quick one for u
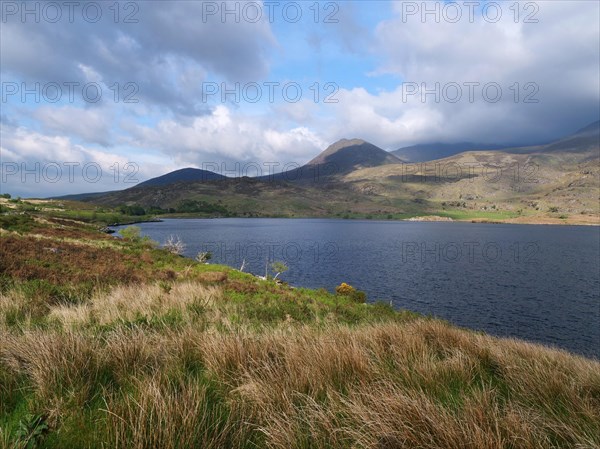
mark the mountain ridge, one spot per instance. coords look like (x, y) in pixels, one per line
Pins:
(432, 151)
(182, 175)
(552, 183)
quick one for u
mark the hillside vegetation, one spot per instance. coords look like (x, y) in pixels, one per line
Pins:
(118, 343)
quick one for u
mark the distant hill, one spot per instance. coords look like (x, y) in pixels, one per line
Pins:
(592, 128)
(582, 144)
(182, 175)
(83, 196)
(560, 178)
(431, 151)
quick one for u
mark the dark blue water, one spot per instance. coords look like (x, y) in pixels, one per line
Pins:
(539, 283)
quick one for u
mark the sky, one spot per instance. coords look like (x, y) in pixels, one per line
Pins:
(99, 95)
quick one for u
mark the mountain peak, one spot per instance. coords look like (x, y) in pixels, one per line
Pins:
(353, 154)
(182, 175)
(342, 143)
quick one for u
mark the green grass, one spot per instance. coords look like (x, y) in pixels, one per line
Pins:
(17, 223)
(101, 218)
(473, 214)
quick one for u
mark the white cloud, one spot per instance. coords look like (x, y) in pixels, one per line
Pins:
(91, 125)
(225, 135)
(50, 165)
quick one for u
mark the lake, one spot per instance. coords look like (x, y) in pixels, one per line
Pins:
(538, 283)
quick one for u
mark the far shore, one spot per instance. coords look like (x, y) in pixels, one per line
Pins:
(575, 220)
(540, 219)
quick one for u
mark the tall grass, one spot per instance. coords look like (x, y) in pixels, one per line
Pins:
(200, 383)
(162, 412)
(129, 303)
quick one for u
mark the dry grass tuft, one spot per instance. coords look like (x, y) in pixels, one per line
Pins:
(213, 277)
(134, 302)
(169, 414)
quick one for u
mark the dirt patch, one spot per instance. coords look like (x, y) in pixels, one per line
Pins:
(214, 277)
(430, 218)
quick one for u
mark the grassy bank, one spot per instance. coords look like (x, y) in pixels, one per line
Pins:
(118, 343)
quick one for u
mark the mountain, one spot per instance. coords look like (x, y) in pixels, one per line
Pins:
(581, 145)
(82, 196)
(585, 140)
(592, 128)
(556, 183)
(348, 155)
(431, 151)
(338, 159)
(182, 175)
(558, 179)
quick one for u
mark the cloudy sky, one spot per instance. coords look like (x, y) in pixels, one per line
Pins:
(98, 95)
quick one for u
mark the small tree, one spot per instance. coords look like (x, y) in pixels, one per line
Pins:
(175, 245)
(131, 233)
(278, 268)
(203, 256)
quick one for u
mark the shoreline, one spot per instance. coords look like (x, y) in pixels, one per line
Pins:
(571, 220)
(541, 221)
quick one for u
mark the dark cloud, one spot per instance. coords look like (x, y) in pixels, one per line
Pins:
(168, 53)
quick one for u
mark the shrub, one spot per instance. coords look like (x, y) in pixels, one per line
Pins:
(344, 289)
(131, 233)
(359, 296)
(350, 292)
(175, 245)
(203, 256)
(278, 268)
(147, 242)
(18, 223)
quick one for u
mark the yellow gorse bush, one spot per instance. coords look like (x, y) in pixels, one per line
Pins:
(345, 289)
